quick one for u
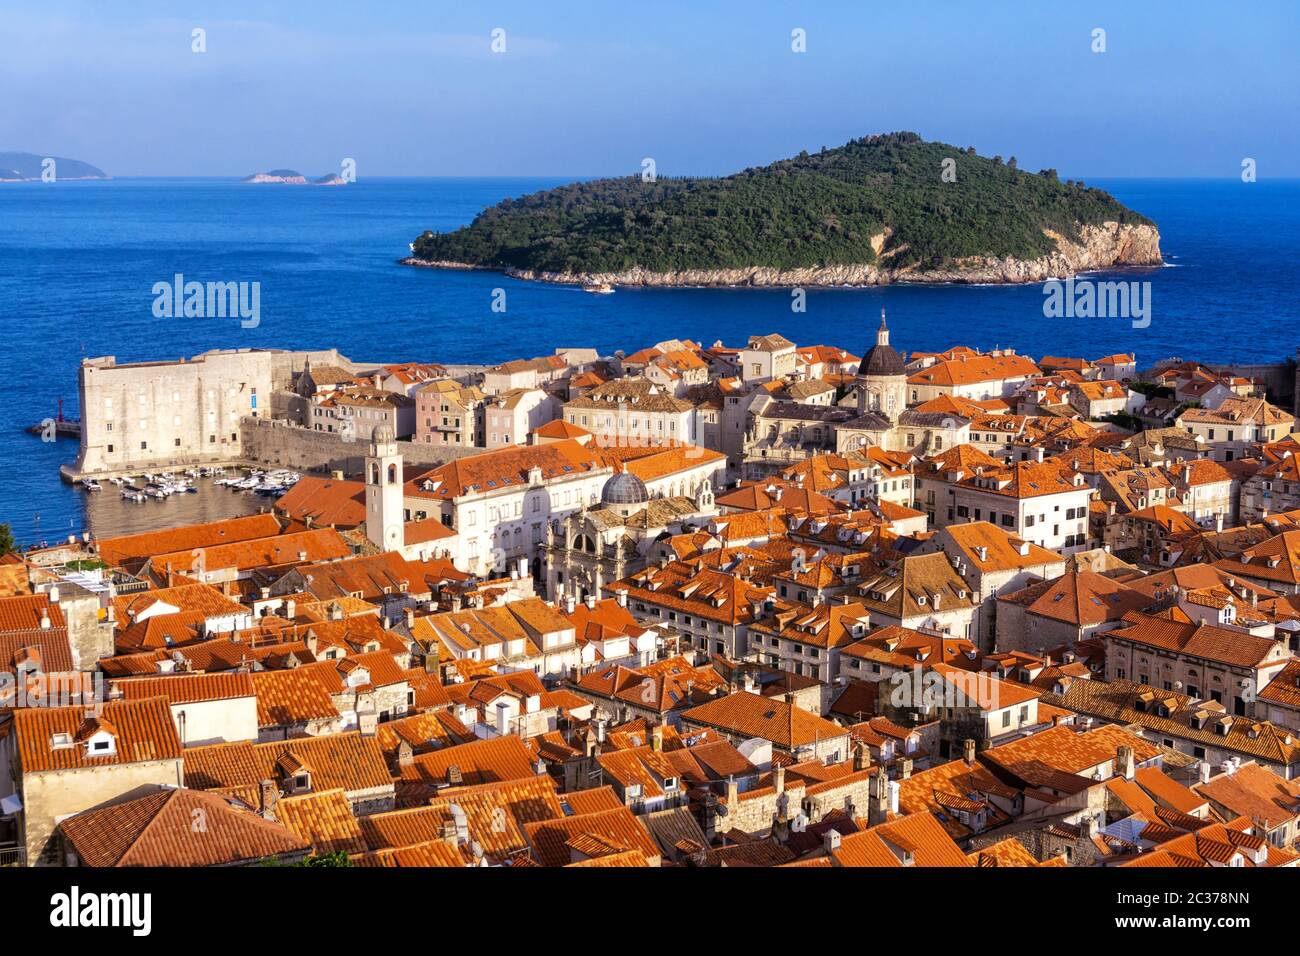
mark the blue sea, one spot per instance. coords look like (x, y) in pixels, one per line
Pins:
(78, 261)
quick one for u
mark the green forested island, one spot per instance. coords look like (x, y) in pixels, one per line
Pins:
(876, 209)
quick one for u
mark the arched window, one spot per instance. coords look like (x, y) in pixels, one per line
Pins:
(374, 474)
(392, 474)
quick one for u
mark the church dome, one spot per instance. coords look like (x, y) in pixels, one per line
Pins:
(882, 358)
(383, 435)
(624, 488)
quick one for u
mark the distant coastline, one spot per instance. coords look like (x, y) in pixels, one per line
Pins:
(31, 168)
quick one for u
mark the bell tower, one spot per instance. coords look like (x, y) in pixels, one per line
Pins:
(384, 524)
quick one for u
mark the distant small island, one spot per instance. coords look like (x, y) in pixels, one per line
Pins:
(877, 210)
(28, 167)
(294, 178)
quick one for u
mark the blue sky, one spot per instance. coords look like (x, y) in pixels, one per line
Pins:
(1184, 88)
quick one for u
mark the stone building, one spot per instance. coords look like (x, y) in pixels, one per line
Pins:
(140, 416)
(592, 547)
(881, 383)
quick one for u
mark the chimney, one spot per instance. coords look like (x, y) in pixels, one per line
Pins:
(968, 750)
(1124, 762)
(290, 609)
(268, 796)
(45, 619)
(710, 816)
(569, 604)
(861, 757)
(460, 821)
(778, 779)
(831, 841)
(878, 797)
(302, 556)
(405, 756)
(454, 778)
(591, 602)
(54, 594)
(657, 738)
(410, 617)
(1203, 769)
(621, 596)
(905, 768)
(733, 794)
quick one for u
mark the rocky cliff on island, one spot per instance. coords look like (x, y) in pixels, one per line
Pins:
(879, 210)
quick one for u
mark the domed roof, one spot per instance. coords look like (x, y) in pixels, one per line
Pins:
(624, 488)
(882, 358)
(383, 435)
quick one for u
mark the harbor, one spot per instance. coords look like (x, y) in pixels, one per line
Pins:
(123, 504)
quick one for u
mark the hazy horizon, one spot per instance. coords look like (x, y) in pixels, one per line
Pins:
(586, 89)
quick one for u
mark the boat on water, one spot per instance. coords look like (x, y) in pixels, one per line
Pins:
(135, 496)
(90, 484)
(598, 288)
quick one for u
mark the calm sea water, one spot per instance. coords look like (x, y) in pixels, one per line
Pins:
(78, 261)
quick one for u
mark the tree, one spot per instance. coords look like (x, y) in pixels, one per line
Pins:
(7, 543)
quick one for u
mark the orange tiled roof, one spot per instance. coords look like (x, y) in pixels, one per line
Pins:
(324, 820)
(158, 829)
(917, 837)
(126, 549)
(482, 761)
(143, 731)
(349, 762)
(322, 544)
(605, 832)
(292, 696)
(785, 725)
(188, 688)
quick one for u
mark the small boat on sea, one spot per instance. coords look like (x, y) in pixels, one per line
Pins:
(133, 496)
(598, 288)
(90, 484)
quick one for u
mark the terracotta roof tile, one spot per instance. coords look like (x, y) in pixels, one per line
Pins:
(161, 829)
